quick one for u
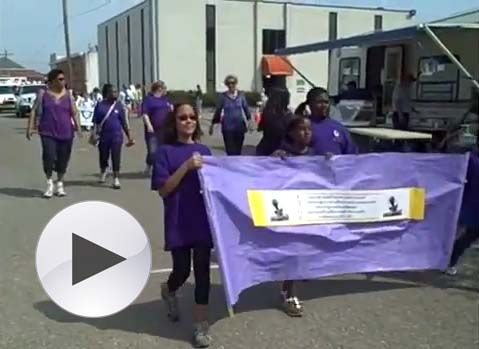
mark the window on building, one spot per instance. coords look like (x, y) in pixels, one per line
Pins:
(211, 48)
(333, 26)
(107, 44)
(273, 40)
(117, 56)
(128, 43)
(378, 22)
(349, 71)
(142, 29)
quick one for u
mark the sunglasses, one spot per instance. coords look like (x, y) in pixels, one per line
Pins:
(185, 117)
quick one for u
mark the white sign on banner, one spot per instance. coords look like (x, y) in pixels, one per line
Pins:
(300, 207)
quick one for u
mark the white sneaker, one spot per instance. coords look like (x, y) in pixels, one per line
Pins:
(451, 271)
(116, 183)
(60, 190)
(49, 192)
(103, 177)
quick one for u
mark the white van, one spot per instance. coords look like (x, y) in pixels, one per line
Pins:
(26, 97)
(8, 99)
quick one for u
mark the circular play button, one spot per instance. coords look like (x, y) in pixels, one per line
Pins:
(93, 259)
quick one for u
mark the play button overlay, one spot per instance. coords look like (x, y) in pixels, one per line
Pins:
(93, 259)
(90, 259)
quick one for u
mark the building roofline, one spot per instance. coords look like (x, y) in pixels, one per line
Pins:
(277, 2)
(122, 13)
(457, 14)
(350, 7)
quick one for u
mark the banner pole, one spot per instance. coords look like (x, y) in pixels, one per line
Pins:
(231, 311)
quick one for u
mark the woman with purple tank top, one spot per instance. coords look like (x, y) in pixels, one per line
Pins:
(57, 123)
(154, 109)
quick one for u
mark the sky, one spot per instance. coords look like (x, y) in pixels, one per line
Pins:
(32, 29)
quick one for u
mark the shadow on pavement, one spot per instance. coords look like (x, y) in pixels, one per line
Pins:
(134, 175)
(464, 280)
(21, 192)
(85, 183)
(150, 317)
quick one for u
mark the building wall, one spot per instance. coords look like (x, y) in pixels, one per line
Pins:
(91, 71)
(102, 58)
(108, 71)
(235, 43)
(181, 41)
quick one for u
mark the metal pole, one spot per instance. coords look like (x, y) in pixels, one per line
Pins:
(255, 43)
(449, 54)
(67, 42)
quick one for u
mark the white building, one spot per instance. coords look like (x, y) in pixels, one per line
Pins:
(190, 42)
(85, 69)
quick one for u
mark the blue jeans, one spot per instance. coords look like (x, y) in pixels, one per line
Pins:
(56, 155)
(152, 144)
(233, 141)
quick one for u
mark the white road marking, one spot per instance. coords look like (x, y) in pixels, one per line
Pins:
(168, 270)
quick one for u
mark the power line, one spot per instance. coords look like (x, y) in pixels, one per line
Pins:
(108, 2)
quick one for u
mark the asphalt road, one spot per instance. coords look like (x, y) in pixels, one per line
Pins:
(394, 310)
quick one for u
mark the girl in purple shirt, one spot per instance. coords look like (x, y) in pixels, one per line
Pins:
(296, 143)
(329, 136)
(187, 231)
(110, 122)
(155, 108)
(57, 122)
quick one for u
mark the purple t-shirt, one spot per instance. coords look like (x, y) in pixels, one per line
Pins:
(291, 151)
(330, 136)
(157, 108)
(470, 201)
(112, 129)
(56, 117)
(186, 222)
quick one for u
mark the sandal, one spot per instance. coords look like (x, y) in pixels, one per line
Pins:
(293, 307)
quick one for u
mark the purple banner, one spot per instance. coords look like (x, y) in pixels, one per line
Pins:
(249, 255)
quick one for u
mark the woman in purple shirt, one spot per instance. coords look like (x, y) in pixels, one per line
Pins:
(110, 122)
(57, 122)
(155, 108)
(187, 231)
(233, 114)
(329, 136)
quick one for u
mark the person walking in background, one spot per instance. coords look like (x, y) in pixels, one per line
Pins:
(138, 97)
(110, 122)
(233, 113)
(274, 121)
(187, 231)
(57, 123)
(96, 95)
(154, 110)
(329, 136)
(402, 102)
(199, 100)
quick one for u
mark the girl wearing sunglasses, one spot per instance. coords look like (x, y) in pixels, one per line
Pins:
(187, 230)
